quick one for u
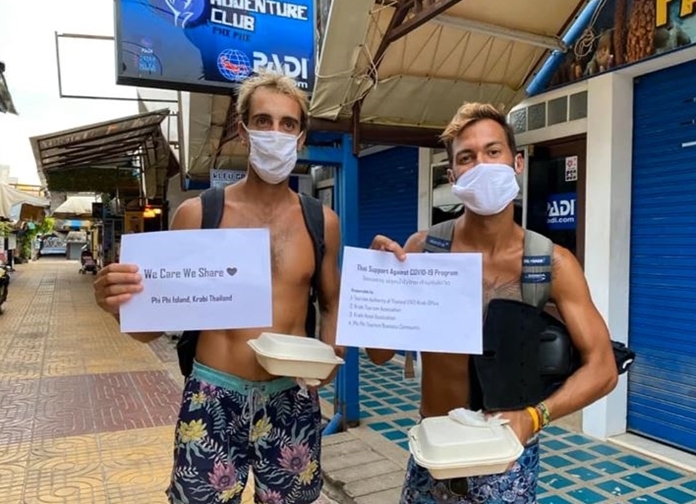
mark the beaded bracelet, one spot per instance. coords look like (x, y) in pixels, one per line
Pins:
(543, 414)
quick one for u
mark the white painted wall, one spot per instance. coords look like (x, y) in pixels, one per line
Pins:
(607, 227)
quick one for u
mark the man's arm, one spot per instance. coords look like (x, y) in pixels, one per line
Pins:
(188, 215)
(414, 244)
(597, 375)
(329, 286)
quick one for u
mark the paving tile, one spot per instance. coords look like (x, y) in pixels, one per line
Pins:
(554, 499)
(689, 485)
(616, 488)
(555, 445)
(604, 449)
(581, 455)
(164, 349)
(555, 481)
(588, 496)
(395, 435)
(666, 474)
(633, 461)
(557, 461)
(609, 467)
(646, 499)
(640, 480)
(583, 473)
(676, 495)
(578, 439)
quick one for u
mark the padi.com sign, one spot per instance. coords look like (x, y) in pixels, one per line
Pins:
(212, 45)
(561, 211)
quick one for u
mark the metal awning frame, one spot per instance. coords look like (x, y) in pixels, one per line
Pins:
(129, 143)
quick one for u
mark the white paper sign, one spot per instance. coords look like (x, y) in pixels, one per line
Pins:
(428, 303)
(571, 169)
(199, 279)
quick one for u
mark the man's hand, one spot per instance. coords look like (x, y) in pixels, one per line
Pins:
(385, 244)
(521, 424)
(116, 284)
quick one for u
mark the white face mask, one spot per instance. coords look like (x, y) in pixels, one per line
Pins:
(487, 189)
(272, 154)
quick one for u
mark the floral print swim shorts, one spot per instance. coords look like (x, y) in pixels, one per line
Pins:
(228, 425)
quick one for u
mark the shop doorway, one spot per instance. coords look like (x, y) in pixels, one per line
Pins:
(556, 192)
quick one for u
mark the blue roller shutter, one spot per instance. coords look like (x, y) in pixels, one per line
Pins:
(662, 319)
(388, 188)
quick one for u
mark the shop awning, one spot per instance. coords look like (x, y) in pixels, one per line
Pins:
(11, 197)
(414, 62)
(104, 156)
(75, 207)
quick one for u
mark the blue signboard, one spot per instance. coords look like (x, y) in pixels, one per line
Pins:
(212, 45)
(561, 211)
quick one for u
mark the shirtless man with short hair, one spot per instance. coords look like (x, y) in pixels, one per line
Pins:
(483, 167)
(235, 415)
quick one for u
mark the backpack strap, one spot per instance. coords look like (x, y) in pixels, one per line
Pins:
(439, 237)
(213, 200)
(313, 213)
(536, 269)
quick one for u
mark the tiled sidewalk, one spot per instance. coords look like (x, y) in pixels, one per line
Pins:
(86, 414)
(575, 468)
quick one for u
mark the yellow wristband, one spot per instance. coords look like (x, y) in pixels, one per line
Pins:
(535, 417)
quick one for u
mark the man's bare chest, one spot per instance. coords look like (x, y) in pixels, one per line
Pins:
(292, 252)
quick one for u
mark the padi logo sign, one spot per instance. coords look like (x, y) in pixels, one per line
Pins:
(560, 211)
(291, 66)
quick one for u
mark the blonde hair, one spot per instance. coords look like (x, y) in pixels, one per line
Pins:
(275, 82)
(471, 113)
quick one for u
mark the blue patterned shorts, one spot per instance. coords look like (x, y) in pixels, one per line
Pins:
(228, 425)
(517, 486)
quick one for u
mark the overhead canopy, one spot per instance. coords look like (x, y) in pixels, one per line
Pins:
(103, 156)
(213, 140)
(393, 72)
(75, 207)
(414, 62)
(9, 197)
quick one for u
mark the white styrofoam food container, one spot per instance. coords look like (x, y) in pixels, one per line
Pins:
(450, 449)
(295, 356)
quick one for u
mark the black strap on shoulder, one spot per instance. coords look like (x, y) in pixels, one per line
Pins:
(536, 269)
(313, 213)
(439, 237)
(213, 200)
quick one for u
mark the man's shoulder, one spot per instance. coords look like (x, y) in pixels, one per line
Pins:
(563, 258)
(416, 242)
(188, 214)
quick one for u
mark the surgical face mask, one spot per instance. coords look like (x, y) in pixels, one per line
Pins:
(487, 189)
(272, 154)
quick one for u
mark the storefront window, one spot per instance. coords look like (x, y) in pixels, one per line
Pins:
(555, 193)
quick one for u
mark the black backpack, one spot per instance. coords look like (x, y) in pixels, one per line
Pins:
(558, 358)
(213, 201)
